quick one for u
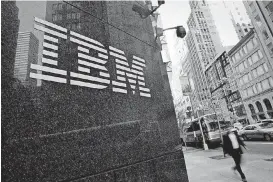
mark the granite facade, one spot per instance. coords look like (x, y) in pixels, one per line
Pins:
(9, 34)
(62, 132)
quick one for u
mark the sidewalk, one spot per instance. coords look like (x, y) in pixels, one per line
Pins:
(202, 168)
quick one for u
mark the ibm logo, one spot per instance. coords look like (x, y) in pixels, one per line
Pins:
(85, 62)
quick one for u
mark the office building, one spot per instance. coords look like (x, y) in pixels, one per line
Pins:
(254, 76)
(26, 53)
(261, 14)
(204, 43)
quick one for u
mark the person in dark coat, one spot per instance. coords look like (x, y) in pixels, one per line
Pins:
(232, 145)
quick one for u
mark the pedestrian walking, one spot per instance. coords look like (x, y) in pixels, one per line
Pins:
(232, 146)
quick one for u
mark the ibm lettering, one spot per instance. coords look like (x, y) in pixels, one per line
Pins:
(82, 77)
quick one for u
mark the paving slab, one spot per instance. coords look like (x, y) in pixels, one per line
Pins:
(211, 166)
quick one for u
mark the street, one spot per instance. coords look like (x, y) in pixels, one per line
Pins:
(211, 166)
(260, 147)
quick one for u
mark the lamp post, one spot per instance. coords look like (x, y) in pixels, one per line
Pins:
(180, 31)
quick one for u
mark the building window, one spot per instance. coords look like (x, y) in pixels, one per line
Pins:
(254, 41)
(265, 67)
(55, 6)
(252, 7)
(242, 52)
(73, 26)
(244, 48)
(54, 18)
(241, 67)
(249, 61)
(79, 26)
(254, 89)
(249, 91)
(251, 108)
(270, 81)
(245, 64)
(60, 17)
(265, 84)
(260, 54)
(60, 6)
(260, 70)
(249, 46)
(246, 30)
(78, 15)
(255, 57)
(237, 56)
(259, 106)
(249, 76)
(73, 16)
(68, 6)
(68, 16)
(68, 26)
(267, 104)
(254, 72)
(244, 93)
(269, 7)
(245, 78)
(259, 87)
(258, 21)
(270, 48)
(265, 34)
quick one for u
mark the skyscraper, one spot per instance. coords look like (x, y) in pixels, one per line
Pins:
(239, 17)
(26, 53)
(204, 43)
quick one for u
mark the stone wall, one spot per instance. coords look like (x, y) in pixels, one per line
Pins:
(61, 132)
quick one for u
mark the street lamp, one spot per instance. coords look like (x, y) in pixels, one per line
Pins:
(144, 12)
(180, 31)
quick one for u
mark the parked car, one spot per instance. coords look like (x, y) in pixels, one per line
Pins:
(257, 131)
(266, 121)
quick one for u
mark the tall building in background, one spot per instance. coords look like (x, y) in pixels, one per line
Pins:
(239, 17)
(26, 53)
(254, 76)
(204, 43)
(261, 13)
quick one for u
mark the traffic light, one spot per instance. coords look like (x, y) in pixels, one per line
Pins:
(180, 31)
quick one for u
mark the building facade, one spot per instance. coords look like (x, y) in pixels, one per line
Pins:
(204, 43)
(9, 33)
(102, 112)
(225, 95)
(239, 17)
(26, 53)
(254, 76)
(261, 13)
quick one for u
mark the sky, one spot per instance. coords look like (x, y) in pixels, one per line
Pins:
(175, 13)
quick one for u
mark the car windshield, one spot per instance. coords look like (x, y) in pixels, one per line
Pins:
(225, 124)
(266, 125)
(213, 125)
